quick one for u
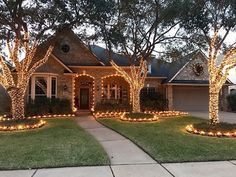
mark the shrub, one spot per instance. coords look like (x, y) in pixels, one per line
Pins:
(112, 105)
(232, 101)
(222, 127)
(153, 101)
(139, 115)
(42, 106)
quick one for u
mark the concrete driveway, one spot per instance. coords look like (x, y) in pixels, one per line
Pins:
(224, 116)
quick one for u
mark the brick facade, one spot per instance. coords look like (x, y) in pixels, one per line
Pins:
(188, 71)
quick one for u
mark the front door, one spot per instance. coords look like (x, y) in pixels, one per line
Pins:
(84, 98)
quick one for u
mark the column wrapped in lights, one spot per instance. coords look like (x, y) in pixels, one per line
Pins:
(136, 80)
(218, 75)
(15, 81)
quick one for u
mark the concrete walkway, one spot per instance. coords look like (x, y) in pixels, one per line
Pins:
(229, 117)
(120, 150)
(195, 169)
(127, 160)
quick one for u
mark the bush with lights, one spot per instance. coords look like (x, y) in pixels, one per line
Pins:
(138, 117)
(7, 124)
(218, 130)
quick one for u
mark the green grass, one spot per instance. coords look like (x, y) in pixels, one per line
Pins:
(167, 140)
(59, 143)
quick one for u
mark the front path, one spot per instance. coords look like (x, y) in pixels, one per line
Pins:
(120, 150)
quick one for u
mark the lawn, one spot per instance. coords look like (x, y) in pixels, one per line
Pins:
(167, 141)
(60, 143)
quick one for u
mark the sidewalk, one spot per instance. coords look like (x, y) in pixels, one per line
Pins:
(127, 160)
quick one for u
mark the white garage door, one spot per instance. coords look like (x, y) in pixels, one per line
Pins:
(190, 98)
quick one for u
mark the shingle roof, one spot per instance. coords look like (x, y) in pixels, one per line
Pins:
(159, 68)
(102, 54)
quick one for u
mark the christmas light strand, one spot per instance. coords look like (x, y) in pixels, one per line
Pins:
(16, 81)
(191, 129)
(218, 74)
(136, 80)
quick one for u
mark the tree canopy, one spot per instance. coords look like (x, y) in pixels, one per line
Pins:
(201, 18)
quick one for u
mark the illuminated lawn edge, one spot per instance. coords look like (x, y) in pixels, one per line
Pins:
(2, 118)
(191, 129)
(22, 126)
(124, 117)
(113, 114)
(168, 113)
(108, 114)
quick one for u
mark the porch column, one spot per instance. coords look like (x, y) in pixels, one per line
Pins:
(170, 97)
(97, 91)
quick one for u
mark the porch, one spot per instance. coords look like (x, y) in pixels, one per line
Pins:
(89, 91)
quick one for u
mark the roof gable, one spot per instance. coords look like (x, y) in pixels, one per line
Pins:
(53, 65)
(194, 69)
(78, 53)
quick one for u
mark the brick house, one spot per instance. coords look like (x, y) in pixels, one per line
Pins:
(84, 75)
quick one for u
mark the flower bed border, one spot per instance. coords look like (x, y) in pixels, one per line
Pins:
(154, 119)
(23, 127)
(168, 113)
(192, 130)
(4, 117)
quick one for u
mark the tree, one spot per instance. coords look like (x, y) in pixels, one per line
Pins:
(135, 28)
(211, 22)
(22, 25)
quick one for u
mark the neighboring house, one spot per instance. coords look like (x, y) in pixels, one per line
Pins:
(84, 75)
(232, 76)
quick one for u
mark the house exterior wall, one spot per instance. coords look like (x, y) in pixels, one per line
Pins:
(188, 72)
(98, 73)
(78, 54)
(155, 82)
(64, 82)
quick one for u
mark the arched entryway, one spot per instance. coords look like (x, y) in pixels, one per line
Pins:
(84, 92)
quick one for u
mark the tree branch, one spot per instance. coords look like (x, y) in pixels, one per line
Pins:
(40, 62)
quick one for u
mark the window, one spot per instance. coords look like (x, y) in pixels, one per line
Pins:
(42, 86)
(112, 91)
(147, 90)
(30, 89)
(53, 87)
(149, 69)
(65, 48)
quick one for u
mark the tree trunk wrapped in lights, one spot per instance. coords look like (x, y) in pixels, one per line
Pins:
(136, 80)
(218, 75)
(15, 81)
